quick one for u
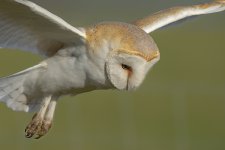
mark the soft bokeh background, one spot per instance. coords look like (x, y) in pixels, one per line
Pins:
(180, 106)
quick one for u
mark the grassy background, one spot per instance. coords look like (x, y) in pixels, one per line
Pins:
(180, 106)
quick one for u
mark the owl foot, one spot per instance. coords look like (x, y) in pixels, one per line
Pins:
(45, 127)
(33, 127)
(42, 121)
(38, 127)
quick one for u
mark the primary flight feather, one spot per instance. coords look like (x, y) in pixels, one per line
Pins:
(108, 55)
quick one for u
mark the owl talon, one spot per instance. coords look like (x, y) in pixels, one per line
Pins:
(28, 135)
(45, 127)
(38, 128)
(33, 127)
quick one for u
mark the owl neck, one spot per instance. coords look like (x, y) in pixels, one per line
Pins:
(88, 67)
(95, 69)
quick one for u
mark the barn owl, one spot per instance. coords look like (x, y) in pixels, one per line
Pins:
(107, 55)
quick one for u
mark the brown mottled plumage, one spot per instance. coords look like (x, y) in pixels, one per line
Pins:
(125, 37)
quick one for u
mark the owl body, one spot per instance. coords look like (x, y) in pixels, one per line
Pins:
(66, 74)
(81, 68)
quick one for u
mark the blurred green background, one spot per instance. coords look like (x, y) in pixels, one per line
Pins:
(180, 106)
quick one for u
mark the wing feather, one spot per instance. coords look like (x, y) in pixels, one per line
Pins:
(168, 16)
(27, 26)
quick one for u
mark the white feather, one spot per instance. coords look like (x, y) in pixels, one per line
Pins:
(26, 26)
(46, 14)
(11, 89)
(165, 17)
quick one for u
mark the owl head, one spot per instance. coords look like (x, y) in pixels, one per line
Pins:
(128, 51)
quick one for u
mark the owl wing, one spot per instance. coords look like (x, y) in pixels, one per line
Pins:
(168, 16)
(27, 26)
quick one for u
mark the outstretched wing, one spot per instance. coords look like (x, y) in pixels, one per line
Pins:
(27, 26)
(165, 17)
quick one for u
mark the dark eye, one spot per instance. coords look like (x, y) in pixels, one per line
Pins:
(126, 67)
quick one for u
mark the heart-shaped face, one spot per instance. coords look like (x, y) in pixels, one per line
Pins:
(128, 52)
(126, 72)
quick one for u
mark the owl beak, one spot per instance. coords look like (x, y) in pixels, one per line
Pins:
(129, 87)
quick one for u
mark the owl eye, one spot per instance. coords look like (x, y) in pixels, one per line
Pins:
(126, 67)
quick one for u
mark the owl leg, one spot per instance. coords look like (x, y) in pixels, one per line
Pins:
(48, 118)
(34, 126)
